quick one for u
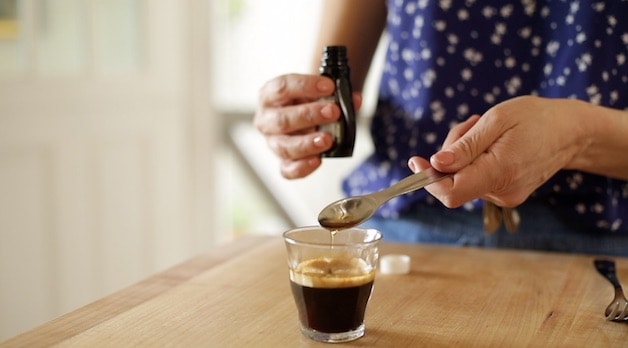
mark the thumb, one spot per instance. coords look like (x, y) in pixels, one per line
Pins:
(464, 150)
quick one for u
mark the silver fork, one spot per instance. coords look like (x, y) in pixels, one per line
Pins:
(617, 310)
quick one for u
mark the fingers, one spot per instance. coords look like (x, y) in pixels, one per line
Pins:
(460, 129)
(291, 107)
(290, 103)
(297, 147)
(286, 89)
(467, 154)
(444, 189)
(440, 189)
(417, 164)
(297, 118)
(476, 180)
(481, 179)
(502, 156)
(474, 137)
(298, 169)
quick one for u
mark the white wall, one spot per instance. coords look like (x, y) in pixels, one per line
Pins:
(106, 168)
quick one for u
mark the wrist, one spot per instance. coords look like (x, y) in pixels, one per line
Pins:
(601, 135)
(581, 116)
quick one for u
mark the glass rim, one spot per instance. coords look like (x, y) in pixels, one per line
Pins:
(294, 241)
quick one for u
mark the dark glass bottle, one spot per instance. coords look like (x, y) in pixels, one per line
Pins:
(334, 65)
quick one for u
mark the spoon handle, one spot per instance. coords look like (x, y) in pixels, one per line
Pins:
(412, 183)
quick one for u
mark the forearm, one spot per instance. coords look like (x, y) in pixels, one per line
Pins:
(605, 140)
(357, 24)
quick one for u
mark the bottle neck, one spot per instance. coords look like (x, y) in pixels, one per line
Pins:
(334, 56)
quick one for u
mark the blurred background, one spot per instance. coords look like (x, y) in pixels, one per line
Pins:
(126, 142)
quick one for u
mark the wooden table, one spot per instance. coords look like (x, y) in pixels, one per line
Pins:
(238, 296)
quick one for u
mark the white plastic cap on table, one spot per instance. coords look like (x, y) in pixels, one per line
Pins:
(394, 264)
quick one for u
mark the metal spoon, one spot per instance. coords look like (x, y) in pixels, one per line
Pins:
(352, 211)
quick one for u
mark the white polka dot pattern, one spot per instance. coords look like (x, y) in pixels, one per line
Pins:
(448, 59)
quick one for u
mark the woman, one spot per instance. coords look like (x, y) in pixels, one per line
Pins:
(525, 101)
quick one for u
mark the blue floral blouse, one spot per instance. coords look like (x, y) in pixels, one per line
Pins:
(449, 59)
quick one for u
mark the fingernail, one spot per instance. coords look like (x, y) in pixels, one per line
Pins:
(445, 157)
(319, 141)
(412, 166)
(326, 111)
(325, 86)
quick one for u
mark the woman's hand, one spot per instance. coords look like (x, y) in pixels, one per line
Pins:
(289, 113)
(510, 151)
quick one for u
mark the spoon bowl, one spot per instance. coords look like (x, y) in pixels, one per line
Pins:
(352, 211)
(348, 212)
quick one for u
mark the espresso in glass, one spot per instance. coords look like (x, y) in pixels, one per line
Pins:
(331, 294)
(331, 279)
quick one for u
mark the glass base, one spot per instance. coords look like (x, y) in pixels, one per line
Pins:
(335, 337)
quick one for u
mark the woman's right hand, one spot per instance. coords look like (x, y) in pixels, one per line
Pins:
(288, 115)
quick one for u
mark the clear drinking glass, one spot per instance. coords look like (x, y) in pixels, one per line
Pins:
(331, 277)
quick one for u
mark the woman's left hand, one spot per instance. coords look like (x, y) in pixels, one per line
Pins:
(507, 153)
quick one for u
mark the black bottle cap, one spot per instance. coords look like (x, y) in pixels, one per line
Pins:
(334, 55)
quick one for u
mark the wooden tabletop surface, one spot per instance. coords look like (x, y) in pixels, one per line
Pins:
(238, 296)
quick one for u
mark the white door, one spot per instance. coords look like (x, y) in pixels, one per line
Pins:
(105, 173)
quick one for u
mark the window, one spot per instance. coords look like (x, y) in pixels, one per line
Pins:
(70, 38)
(257, 40)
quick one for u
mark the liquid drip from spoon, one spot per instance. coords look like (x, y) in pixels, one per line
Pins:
(352, 211)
